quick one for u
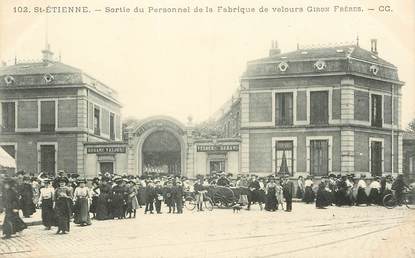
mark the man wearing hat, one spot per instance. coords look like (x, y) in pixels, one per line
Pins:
(288, 192)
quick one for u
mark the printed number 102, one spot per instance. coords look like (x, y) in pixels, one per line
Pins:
(21, 9)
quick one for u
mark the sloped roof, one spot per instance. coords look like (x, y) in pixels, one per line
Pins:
(331, 52)
(38, 68)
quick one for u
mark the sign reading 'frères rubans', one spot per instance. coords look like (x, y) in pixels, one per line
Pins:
(203, 148)
(116, 149)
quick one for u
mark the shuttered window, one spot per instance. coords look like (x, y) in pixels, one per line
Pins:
(47, 159)
(376, 110)
(376, 158)
(319, 157)
(319, 108)
(47, 116)
(112, 126)
(8, 112)
(284, 108)
(97, 129)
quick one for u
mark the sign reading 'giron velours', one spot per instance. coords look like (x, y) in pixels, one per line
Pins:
(116, 149)
(203, 148)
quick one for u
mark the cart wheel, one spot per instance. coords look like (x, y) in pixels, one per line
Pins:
(190, 203)
(389, 201)
(409, 199)
(208, 204)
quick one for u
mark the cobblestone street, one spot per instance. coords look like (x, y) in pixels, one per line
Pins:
(306, 232)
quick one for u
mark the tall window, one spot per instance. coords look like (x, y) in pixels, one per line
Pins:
(319, 157)
(112, 126)
(376, 158)
(319, 107)
(47, 116)
(284, 155)
(47, 159)
(376, 110)
(8, 111)
(284, 108)
(97, 129)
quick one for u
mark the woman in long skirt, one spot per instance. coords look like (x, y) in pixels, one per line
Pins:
(82, 195)
(308, 192)
(322, 200)
(12, 221)
(95, 193)
(300, 188)
(271, 197)
(63, 205)
(46, 202)
(26, 200)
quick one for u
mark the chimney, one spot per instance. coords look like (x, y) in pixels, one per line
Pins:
(274, 51)
(374, 46)
(47, 54)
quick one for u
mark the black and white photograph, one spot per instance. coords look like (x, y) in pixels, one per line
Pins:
(196, 128)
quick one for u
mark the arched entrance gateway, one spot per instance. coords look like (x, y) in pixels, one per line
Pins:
(158, 146)
(161, 153)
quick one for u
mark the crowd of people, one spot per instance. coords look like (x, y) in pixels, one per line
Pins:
(349, 190)
(67, 197)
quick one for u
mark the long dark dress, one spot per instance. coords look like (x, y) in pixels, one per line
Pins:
(322, 198)
(12, 222)
(103, 202)
(271, 202)
(48, 215)
(63, 208)
(117, 202)
(26, 201)
(309, 195)
(82, 194)
(361, 196)
(93, 207)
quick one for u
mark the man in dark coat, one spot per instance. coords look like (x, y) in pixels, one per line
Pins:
(158, 196)
(149, 197)
(288, 191)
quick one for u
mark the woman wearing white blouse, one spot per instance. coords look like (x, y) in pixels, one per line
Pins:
(82, 196)
(46, 198)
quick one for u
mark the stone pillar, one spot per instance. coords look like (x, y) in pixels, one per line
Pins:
(347, 151)
(190, 153)
(244, 152)
(400, 153)
(347, 101)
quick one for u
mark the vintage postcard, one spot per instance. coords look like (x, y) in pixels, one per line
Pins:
(196, 128)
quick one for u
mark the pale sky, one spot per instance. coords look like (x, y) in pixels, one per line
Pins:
(188, 64)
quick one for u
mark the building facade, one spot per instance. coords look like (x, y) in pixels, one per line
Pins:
(313, 111)
(318, 111)
(50, 111)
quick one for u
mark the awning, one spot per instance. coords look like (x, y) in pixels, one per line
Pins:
(6, 160)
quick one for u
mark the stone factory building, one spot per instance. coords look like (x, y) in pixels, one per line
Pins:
(51, 112)
(313, 111)
(321, 110)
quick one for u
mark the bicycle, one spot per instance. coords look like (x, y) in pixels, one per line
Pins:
(190, 202)
(408, 198)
